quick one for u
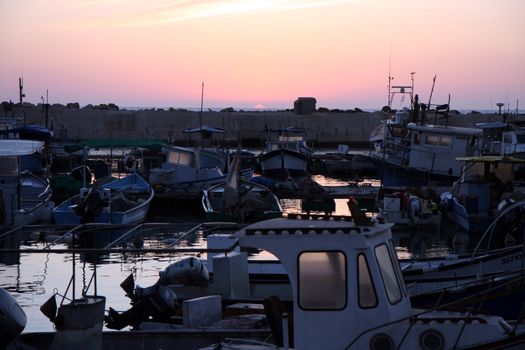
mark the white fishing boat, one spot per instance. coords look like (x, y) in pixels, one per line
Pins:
(408, 151)
(409, 154)
(25, 193)
(348, 293)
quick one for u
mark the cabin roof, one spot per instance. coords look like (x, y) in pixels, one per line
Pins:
(313, 225)
(456, 130)
(153, 145)
(19, 147)
(491, 159)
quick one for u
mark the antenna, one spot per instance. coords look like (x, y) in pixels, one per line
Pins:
(200, 113)
(412, 88)
(21, 89)
(432, 90)
(389, 102)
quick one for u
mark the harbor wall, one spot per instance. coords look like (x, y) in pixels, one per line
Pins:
(323, 128)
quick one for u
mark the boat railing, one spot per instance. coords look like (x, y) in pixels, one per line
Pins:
(172, 247)
(490, 229)
(478, 298)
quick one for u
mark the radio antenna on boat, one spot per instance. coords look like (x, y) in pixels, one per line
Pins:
(390, 78)
(21, 89)
(200, 113)
(432, 90)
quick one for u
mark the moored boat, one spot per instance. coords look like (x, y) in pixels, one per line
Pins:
(123, 201)
(286, 154)
(25, 194)
(343, 273)
(252, 202)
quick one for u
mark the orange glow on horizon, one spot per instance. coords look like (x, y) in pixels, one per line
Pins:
(266, 53)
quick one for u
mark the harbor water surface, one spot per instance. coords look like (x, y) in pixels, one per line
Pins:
(33, 278)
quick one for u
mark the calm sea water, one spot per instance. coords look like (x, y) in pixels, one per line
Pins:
(33, 278)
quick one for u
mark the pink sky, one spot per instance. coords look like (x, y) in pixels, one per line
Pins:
(262, 52)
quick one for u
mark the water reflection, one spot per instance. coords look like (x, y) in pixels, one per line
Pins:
(31, 278)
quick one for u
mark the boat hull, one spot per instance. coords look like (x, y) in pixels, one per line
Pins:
(65, 214)
(283, 163)
(392, 174)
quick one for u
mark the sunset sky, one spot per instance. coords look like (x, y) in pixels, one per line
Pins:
(262, 52)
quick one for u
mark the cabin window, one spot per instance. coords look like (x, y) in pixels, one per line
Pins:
(183, 158)
(432, 140)
(445, 141)
(437, 140)
(416, 138)
(387, 273)
(8, 166)
(322, 280)
(398, 268)
(367, 292)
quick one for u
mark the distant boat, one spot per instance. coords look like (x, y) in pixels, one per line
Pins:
(254, 202)
(123, 201)
(25, 196)
(189, 170)
(286, 154)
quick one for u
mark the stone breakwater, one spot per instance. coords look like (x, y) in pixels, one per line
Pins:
(323, 128)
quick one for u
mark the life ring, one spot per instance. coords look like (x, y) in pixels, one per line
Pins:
(129, 163)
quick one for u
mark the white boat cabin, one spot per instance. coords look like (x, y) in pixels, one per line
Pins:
(186, 166)
(348, 291)
(289, 138)
(512, 142)
(436, 148)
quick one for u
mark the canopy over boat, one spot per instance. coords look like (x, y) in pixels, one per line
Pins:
(491, 159)
(18, 147)
(153, 145)
(205, 129)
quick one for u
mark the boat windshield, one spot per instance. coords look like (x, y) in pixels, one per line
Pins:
(178, 157)
(387, 273)
(322, 280)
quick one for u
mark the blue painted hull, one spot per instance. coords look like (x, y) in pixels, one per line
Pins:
(396, 175)
(65, 214)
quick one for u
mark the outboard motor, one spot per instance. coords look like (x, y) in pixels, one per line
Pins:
(12, 318)
(90, 207)
(157, 301)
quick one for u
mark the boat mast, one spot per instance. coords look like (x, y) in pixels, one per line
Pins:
(21, 89)
(390, 78)
(200, 113)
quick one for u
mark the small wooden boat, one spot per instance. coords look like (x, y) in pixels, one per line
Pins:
(253, 202)
(123, 201)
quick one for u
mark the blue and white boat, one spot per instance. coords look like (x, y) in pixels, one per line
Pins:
(25, 193)
(123, 201)
(485, 184)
